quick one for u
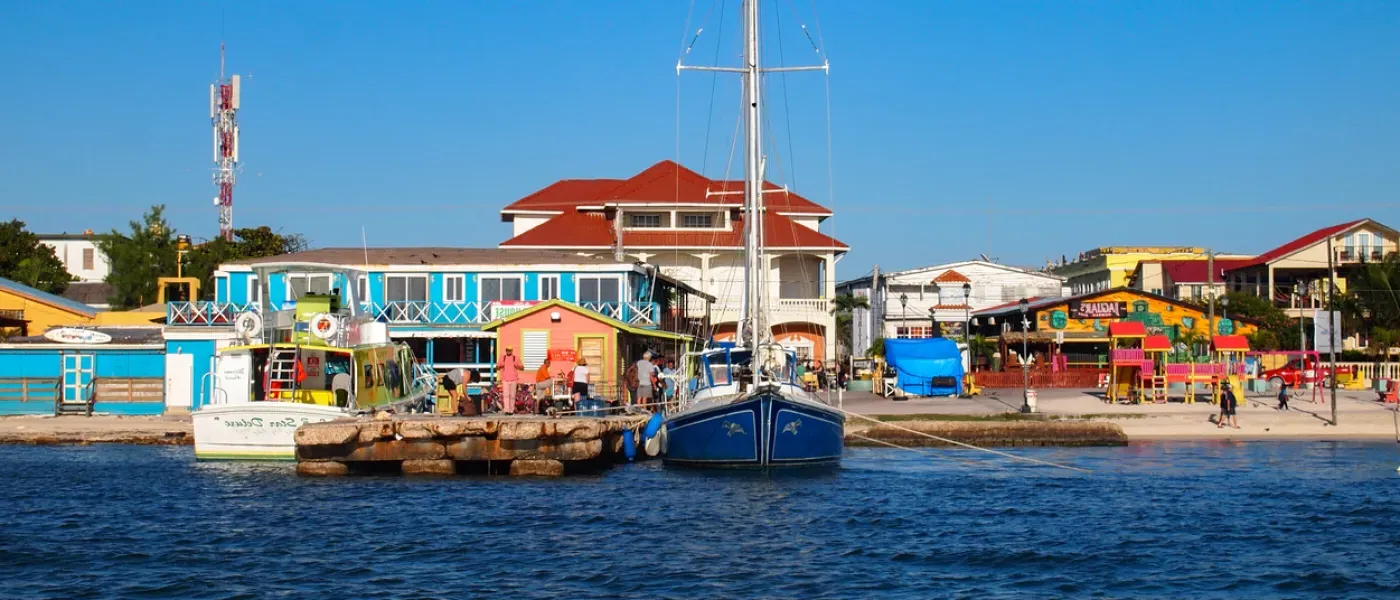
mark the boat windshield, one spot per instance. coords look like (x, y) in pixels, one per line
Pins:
(724, 367)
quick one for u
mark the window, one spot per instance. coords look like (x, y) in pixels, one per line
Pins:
(698, 220)
(406, 288)
(362, 289)
(497, 289)
(913, 332)
(599, 289)
(301, 284)
(87, 259)
(549, 287)
(644, 220)
(254, 290)
(453, 288)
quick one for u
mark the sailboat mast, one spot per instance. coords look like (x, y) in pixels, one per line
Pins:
(753, 181)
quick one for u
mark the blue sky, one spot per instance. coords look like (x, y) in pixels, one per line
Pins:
(1025, 130)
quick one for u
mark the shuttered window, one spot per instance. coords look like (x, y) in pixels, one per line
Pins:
(535, 346)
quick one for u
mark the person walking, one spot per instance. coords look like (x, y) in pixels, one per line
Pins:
(646, 374)
(1283, 396)
(1228, 405)
(510, 379)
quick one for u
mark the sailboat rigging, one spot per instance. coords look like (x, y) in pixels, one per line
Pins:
(748, 409)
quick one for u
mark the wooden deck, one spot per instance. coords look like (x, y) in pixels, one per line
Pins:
(517, 445)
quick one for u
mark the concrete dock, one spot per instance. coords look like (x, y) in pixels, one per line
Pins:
(425, 445)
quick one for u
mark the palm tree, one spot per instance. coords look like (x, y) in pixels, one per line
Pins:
(979, 348)
(1191, 338)
(843, 306)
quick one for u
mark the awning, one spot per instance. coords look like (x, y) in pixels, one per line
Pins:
(1230, 343)
(1127, 329)
(1157, 343)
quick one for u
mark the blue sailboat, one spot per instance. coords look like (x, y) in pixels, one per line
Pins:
(747, 409)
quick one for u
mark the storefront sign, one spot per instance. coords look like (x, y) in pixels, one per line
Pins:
(1098, 310)
(69, 335)
(563, 355)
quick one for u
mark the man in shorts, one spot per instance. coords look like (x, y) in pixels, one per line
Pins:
(1228, 405)
(645, 374)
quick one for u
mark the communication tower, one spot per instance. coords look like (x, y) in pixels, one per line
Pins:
(223, 112)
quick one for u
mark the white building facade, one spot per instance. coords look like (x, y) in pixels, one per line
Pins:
(937, 300)
(79, 254)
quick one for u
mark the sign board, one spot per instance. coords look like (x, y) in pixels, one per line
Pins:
(1322, 341)
(70, 335)
(563, 355)
(1098, 310)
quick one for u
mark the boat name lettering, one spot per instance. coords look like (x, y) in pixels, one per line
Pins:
(291, 422)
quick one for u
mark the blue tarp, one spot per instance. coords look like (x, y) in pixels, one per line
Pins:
(926, 367)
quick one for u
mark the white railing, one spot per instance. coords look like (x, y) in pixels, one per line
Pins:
(804, 304)
(459, 313)
(1370, 370)
(204, 313)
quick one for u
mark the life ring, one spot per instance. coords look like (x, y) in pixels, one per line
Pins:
(248, 325)
(324, 326)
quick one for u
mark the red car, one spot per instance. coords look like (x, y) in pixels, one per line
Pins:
(1293, 372)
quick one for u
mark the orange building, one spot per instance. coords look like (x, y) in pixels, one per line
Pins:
(564, 331)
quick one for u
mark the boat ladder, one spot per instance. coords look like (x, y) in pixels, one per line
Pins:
(282, 373)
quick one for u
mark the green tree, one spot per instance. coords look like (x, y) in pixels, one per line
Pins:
(1382, 340)
(979, 347)
(25, 259)
(138, 257)
(877, 348)
(844, 306)
(251, 242)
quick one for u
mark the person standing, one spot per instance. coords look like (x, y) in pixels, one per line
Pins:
(1283, 396)
(544, 386)
(510, 379)
(1228, 405)
(580, 379)
(670, 376)
(646, 373)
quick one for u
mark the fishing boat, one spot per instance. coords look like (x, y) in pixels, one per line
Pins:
(747, 409)
(319, 360)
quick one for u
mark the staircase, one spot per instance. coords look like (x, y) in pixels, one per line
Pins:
(82, 405)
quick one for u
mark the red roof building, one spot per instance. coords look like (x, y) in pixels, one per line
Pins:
(692, 228)
(1295, 275)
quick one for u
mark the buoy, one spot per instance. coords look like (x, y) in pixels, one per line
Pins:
(248, 325)
(324, 326)
(629, 444)
(651, 443)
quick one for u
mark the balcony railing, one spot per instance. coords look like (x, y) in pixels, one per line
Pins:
(639, 314)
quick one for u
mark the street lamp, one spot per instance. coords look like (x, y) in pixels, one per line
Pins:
(967, 316)
(1025, 351)
(1224, 314)
(904, 313)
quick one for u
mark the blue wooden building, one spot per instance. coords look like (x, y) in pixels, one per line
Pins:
(434, 299)
(123, 375)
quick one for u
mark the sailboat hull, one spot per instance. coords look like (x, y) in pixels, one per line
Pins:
(762, 430)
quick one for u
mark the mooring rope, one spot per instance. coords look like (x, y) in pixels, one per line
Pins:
(967, 445)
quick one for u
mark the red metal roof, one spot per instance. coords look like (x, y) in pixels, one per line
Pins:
(951, 276)
(1127, 329)
(1194, 270)
(1234, 343)
(663, 182)
(1300, 243)
(575, 229)
(1156, 343)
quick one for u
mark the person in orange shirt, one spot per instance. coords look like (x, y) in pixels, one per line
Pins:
(544, 385)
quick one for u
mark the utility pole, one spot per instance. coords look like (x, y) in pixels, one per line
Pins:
(1332, 337)
(1210, 289)
(877, 307)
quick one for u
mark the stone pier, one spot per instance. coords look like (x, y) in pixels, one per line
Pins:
(426, 445)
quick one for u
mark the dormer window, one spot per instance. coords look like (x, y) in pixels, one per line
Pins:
(645, 220)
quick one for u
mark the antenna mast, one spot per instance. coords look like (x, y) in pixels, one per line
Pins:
(223, 113)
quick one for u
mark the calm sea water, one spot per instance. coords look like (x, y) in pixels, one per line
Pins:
(1165, 520)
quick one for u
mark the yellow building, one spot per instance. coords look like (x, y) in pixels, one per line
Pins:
(1110, 267)
(1078, 325)
(28, 311)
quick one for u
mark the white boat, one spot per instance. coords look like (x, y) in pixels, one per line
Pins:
(748, 410)
(317, 362)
